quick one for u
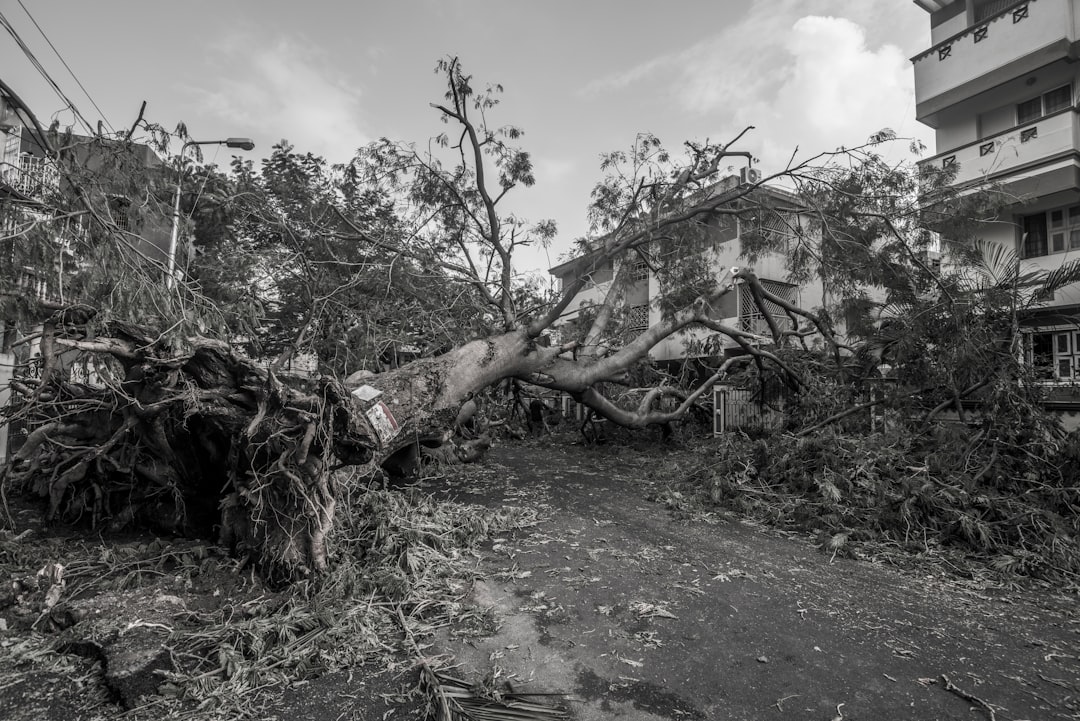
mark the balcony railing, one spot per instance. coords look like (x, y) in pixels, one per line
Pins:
(1009, 32)
(32, 177)
(29, 284)
(995, 156)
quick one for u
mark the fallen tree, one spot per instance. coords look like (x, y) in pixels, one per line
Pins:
(394, 250)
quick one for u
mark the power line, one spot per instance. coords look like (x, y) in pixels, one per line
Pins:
(44, 73)
(67, 67)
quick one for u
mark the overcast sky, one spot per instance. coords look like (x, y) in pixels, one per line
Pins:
(581, 77)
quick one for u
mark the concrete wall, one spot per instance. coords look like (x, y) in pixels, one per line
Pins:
(948, 22)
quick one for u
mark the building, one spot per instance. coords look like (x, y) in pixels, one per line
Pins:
(26, 178)
(721, 247)
(998, 86)
(45, 242)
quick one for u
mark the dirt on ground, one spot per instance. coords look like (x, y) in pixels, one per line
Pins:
(620, 609)
(637, 615)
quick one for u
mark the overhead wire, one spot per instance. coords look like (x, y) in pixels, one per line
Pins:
(67, 67)
(45, 74)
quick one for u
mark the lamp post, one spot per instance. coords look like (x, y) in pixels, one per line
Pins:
(239, 143)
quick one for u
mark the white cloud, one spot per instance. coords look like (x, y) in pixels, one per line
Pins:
(833, 90)
(809, 80)
(290, 90)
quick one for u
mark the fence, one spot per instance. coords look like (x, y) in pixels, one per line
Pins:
(738, 408)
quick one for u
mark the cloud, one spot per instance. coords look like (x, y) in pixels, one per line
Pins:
(291, 90)
(830, 89)
(815, 81)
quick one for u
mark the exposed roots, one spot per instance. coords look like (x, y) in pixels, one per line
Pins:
(201, 442)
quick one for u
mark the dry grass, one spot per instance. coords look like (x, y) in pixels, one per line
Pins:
(393, 552)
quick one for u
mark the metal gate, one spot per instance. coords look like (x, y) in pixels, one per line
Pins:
(735, 408)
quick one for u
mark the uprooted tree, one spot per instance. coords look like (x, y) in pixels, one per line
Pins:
(174, 421)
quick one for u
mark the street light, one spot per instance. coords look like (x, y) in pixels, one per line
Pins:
(239, 144)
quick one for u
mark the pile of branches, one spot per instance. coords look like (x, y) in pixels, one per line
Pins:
(1017, 508)
(193, 440)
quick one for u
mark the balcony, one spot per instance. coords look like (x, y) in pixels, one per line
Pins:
(1015, 152)
(29, 284)
(1016, 39)
(32, 177)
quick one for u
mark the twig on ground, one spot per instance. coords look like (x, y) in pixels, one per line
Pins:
(779, 701)
(953, 688)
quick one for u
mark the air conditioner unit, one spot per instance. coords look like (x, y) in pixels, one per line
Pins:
(749, 176)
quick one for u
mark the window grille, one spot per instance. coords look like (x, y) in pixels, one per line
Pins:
(639, 318)
(752, 320)
(640, 271)
(118, 211)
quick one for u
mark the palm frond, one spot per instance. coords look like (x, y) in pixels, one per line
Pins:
(999, 265)
(1065, 274)
(451, 699)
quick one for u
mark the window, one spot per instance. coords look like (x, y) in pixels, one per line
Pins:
(1055, 355)
(1031, 110)
(119, 211)
(1056, 231)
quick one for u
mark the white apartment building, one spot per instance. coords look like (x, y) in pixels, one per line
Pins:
(998, 85)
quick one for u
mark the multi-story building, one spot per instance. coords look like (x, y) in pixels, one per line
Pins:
(26, 178)
(998, 85)
(721, 249)
(42, 248)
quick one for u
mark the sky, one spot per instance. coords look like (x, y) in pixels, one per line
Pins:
(581, 77)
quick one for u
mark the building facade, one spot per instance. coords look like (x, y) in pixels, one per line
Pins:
(44, 246)
(722, 248)
(998, 86)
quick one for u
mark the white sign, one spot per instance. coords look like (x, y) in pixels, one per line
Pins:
(383, 421)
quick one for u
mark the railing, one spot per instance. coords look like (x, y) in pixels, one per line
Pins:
(989, 9)
(29, 284)
(988, 158)
(1032, 33)
(32, 176)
